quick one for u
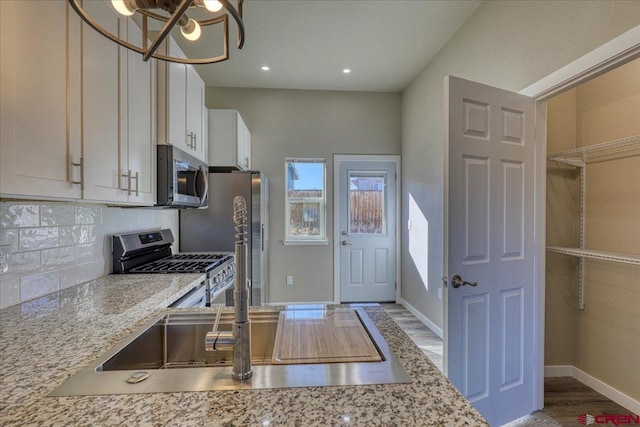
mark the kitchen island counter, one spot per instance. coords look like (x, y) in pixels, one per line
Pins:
(43, 341)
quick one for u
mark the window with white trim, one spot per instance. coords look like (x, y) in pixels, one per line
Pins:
(305, 201)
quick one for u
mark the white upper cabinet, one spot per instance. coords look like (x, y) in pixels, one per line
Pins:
(118, 114)
(141, 112)
(67, 92)
(195, 104)
(103, 85)
(180, 104)
(229, 140)
(40, 104)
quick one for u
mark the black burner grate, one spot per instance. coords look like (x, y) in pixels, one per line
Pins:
(183, 263)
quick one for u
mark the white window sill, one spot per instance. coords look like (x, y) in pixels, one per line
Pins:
(305, 242)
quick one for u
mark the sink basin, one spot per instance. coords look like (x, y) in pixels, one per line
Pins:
(169, 349)
(177, 341)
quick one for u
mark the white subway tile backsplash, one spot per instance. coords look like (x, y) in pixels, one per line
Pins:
(67, 238)
(53, 245)
(82, 273)
(57, 215)
(88, 215)
(39, 238)
(58, 257)
(24, 263)
(9, 240)
(89, 252)
(111, 215)
(78, 234)
(38, 285)
(19, 215)
(9, 291)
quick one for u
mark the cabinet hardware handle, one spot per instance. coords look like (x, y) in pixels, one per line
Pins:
(246, 162)
(128, 176)
(136, 177)
(195, 141)
(81, 166)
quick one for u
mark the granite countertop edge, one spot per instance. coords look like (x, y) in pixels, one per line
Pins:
(45, 340)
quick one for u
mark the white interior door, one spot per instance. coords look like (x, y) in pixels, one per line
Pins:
(367, 241)
(489, 320)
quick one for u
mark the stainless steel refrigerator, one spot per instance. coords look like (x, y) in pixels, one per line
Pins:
(212, 229)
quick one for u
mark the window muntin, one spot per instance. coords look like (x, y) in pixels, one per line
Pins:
(305, 200)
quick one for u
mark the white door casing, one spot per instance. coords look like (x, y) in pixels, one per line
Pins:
(489, 328)
(366, 251)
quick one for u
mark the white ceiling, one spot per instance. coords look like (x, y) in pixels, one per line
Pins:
(307, 43)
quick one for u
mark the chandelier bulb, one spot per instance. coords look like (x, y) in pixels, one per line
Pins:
(123, 7)
(212, 5)
(191, 31)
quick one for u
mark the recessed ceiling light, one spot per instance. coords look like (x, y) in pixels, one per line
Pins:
(346, 70)
(265, 68)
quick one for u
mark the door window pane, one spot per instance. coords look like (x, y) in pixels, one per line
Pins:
(367, 204)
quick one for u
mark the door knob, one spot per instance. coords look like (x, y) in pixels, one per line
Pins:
(344, 243)
(457, 281)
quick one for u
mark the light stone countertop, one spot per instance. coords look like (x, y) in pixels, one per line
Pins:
(43, 341)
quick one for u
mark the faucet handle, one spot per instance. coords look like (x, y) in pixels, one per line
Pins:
(219, 340)
(217, 321)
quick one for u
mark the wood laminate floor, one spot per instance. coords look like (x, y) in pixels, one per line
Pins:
(565, 398)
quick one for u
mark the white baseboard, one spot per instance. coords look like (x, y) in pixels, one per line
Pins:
(605, 389)
(424, 319)
(559, 371)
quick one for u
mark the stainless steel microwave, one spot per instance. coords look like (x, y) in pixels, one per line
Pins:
(183, 180)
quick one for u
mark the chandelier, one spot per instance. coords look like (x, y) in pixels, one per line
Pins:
(159, 17)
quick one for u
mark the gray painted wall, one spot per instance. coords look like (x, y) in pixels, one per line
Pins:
(302, 123)
(509, 44)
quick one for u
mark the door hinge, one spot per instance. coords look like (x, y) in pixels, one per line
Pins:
(445, 281)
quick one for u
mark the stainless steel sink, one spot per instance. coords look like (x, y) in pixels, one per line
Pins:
(177, 341)
(170, 351)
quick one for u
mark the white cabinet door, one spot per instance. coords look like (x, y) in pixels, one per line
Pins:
(246, 146)
(141, 156)
(243, 154)
(229, 140)
(176, 99)
(195, 101)
(40, 102)
(102, 114)
(180, 105)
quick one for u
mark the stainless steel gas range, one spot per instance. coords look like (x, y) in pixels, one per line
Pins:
(149, 252)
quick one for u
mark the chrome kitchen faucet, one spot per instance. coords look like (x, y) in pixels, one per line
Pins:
(238, 339)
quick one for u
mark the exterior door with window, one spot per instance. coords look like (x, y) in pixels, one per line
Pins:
(491, 266)
(367, 226)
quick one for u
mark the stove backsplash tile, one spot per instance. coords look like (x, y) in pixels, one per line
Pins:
(52, 246)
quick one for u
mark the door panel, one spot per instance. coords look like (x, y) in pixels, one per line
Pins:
(475, 348)
(367, 224)
(490, 244)
(476, 210)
